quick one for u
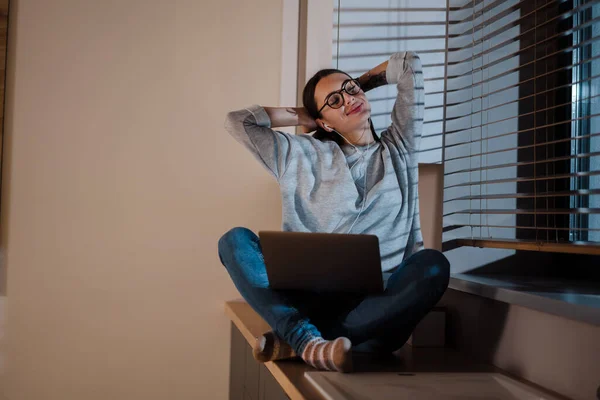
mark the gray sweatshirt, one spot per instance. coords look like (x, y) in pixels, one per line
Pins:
(320, 192)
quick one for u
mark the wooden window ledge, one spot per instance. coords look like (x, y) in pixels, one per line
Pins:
(289, 374)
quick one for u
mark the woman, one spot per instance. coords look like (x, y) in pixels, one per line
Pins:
(342, 179)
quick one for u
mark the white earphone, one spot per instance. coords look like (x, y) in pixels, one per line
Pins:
(361, 158)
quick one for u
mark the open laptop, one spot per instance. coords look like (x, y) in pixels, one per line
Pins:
(322, 262)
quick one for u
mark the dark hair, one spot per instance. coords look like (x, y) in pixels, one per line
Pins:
(309, 102)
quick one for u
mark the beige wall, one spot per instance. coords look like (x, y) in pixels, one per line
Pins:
(118, 181)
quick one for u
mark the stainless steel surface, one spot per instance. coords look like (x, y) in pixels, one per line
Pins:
(571, 299)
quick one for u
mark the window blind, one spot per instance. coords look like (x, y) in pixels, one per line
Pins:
(365, 34)
(512, 110)
(521, 148)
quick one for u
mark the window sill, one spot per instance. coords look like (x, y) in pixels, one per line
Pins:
(576, 300)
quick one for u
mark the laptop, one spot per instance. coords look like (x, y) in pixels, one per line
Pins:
(322, 262)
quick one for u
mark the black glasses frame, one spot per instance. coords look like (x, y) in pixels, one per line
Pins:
(343, 89)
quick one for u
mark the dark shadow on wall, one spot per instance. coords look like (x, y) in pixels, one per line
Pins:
(7, 63)
(474, 324)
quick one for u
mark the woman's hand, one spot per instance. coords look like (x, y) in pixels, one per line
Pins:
(291, 116)
(306, 122)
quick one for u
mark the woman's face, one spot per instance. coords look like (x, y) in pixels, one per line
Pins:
(353, 112)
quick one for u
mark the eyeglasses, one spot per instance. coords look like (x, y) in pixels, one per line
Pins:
(335, 99)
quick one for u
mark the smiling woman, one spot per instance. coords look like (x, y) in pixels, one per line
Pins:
(345, 178)
(333, 114)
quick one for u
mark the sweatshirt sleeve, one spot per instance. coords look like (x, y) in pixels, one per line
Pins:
(252, 128)
(404, 69)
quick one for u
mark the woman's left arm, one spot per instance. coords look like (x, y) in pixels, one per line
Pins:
(374, 77)
(403, 69)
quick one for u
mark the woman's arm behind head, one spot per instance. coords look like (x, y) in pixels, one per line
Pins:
(291, 116)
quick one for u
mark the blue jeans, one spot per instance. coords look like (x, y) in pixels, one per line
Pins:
(380, 322)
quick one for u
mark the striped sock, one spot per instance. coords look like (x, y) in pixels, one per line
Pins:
(329, 355)
(270, 347)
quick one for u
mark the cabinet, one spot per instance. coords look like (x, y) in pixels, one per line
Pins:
(249, 379)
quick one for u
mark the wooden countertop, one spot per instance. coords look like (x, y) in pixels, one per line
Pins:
(290, 373)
